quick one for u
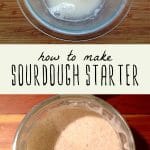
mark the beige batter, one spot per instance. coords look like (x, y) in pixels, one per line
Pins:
(73, 129)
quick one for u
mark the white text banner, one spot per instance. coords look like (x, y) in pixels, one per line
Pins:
(75, 69)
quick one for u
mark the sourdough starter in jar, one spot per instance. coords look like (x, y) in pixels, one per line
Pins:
(68, 128)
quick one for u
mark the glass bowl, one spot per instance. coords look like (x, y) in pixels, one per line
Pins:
(110, 15)
(94, 104)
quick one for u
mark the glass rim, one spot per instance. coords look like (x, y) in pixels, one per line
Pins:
(60, 34)
(75, 97)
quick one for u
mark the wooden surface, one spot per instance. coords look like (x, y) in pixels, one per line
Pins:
(14, 28)
(135, 109)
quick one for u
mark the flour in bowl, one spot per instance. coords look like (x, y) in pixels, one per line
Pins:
(74, 9)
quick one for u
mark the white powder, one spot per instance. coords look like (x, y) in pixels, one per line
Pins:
(73, 129)
(74, 9)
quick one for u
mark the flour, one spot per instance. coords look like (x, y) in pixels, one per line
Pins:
(74, 9)
(73, 129)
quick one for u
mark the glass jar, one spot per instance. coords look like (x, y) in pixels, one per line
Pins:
(94, 104)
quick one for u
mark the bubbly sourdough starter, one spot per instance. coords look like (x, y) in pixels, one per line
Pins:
(73, 129)
(73, 9)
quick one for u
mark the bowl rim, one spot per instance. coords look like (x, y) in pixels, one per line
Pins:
(65, 35)
(62, 97)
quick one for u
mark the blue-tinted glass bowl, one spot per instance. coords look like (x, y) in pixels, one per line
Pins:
(111, 14)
